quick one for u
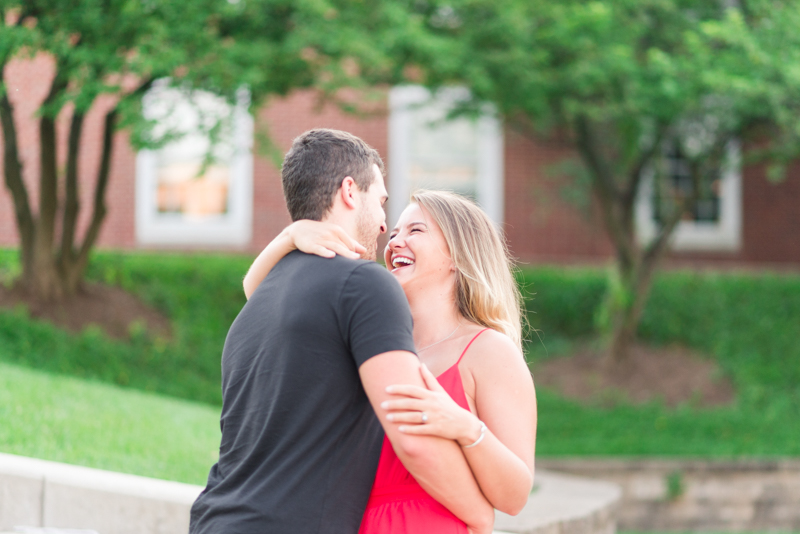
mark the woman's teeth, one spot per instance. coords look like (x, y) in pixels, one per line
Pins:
(401, 262)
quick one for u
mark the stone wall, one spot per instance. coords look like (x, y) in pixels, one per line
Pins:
(698, 495)
(37, 493)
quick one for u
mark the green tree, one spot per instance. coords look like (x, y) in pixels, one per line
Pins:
(120, 47)
(616, 80)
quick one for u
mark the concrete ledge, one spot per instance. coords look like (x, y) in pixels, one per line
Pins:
(38, 493)
(564, 504)
(689, 495)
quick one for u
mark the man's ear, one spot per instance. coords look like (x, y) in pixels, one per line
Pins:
(348, 192)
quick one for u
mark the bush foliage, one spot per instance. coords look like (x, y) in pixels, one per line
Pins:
(746, 321)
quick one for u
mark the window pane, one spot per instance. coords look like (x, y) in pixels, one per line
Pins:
(192, 178)
(674, 183)
(444, 154)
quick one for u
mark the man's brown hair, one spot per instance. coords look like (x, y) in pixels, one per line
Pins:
(315, 166)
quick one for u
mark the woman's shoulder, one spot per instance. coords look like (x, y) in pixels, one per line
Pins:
(495, 352)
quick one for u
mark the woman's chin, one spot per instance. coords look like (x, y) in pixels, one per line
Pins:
(404, 275)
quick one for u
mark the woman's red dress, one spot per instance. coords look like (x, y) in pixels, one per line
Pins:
(398, 504)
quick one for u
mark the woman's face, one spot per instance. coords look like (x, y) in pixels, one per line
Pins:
(417, 253)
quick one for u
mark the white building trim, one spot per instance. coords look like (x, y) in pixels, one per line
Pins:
(724, 235)
(234, 228)
(403, 101)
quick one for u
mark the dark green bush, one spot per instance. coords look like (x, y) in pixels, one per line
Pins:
(749, 322)
(201, 294)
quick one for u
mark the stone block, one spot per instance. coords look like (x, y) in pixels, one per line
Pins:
(20, 500)
(111, 512)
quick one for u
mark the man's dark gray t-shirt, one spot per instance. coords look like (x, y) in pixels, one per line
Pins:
(300, 441)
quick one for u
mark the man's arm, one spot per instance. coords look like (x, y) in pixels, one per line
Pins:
(436, 463)
(312, 237)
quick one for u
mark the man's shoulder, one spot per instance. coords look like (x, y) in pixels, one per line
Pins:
(338, 266)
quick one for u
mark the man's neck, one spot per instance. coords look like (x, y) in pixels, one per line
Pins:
(347, 222)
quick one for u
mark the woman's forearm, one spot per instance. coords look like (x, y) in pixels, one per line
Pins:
(443, 472)
(504, 478)
(269, 258)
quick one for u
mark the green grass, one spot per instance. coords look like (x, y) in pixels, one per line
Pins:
(81, 422)
(750, 323)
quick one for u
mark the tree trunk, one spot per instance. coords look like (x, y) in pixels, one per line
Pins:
(625, 302)
(12, 171)
(616, 194)
(45, 283)
(73, 270)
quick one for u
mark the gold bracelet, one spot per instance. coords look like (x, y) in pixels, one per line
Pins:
(480, 438)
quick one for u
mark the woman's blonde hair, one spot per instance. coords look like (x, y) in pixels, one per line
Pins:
(486, 292)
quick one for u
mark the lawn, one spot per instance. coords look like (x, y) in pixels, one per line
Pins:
(83, 422)
(748, 322)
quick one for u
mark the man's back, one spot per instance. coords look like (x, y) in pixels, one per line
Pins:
(300, 441)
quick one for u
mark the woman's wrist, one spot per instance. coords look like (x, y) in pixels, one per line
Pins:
(472, 432)
(287, 238)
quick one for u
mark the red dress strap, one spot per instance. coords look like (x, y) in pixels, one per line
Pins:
(470, 343)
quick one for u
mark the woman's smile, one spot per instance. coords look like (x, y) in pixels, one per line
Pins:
(399, 261)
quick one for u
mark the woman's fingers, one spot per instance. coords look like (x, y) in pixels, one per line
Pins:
(429, 379)
(320, 250)
(420, 430)
(341, 250)
(404, 404)
(314, 236)
(408, 390)
(348, 241)
(409, 417)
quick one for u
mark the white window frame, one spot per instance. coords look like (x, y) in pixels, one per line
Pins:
(490, 172)
(232, 229)
(724, 235)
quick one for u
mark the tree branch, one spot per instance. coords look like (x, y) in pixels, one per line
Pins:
(631, 190)
(71, 204)
(606, 190)
(75, 272)
(635, 173)
(99, 207)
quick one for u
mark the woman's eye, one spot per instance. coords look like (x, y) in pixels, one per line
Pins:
(414, 230)
(392, 236)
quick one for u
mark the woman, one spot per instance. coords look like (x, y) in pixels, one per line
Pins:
(455, 271)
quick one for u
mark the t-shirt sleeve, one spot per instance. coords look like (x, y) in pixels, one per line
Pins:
(375, 315)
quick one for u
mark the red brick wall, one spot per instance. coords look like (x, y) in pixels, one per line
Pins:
(283, 119)
(28, 83)
(541, 226)
(544, 228)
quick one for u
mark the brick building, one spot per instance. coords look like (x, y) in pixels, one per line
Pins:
(160, 200)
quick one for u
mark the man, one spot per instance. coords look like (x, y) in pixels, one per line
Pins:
(306, 361)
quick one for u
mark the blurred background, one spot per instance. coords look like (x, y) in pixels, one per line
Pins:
(640, 157)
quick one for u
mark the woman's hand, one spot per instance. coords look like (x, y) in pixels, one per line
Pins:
(312, 237)
(431, 412)
(323, 239)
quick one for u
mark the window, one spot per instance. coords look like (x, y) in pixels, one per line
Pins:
(464, 155)
(713, 223)
(192, 191)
